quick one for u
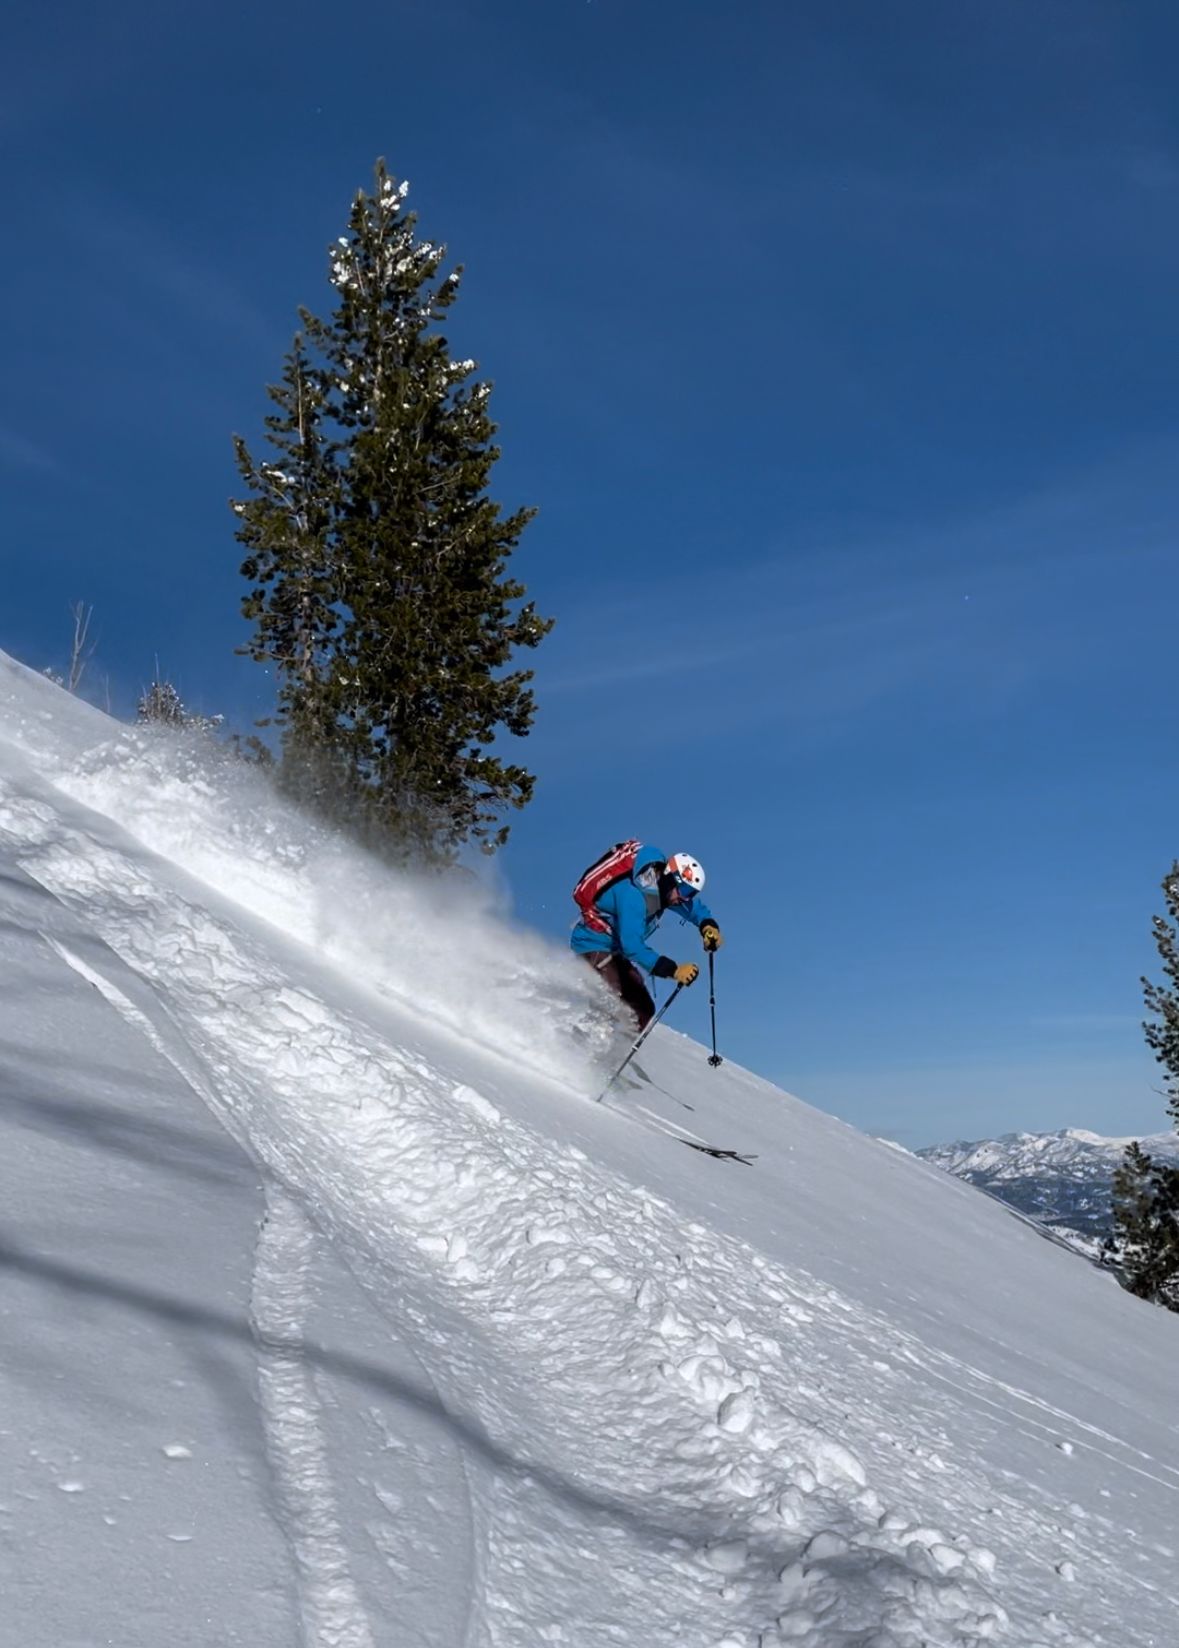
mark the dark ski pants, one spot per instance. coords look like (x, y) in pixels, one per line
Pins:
(626, 981)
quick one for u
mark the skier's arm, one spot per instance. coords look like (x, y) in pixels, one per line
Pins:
(697, 912)
(630, 922)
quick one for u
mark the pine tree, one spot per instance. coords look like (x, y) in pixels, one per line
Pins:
(161, 705)
(1146, 1192)
(378, 559)
(1146, 1218)
(1162, 1035)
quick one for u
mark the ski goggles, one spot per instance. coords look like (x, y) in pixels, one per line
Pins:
(686, 891)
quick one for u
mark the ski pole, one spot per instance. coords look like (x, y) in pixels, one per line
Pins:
(716, 1059)
(642, 1038)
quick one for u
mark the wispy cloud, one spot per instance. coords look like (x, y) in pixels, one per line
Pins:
(142, 254)
(967, 615)
(17, 451)
(1093, 1024)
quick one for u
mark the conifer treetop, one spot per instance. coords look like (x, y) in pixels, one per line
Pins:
(377, 557)
(1162, 1000)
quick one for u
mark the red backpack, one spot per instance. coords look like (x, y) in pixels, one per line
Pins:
(613, 866)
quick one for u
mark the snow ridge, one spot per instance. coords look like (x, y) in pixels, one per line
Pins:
(1023, 1155)
(1062, 1180)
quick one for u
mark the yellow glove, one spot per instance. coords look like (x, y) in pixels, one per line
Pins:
(686, 973)
(710, 934)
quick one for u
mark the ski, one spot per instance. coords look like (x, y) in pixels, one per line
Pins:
(721, 1155)
(655, 1124)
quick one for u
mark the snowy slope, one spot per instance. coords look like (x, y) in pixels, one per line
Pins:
(1064, 1179)
(336, 1313)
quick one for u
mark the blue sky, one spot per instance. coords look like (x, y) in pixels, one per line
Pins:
(838, 347)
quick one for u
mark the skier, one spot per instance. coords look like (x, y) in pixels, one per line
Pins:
(621, 898)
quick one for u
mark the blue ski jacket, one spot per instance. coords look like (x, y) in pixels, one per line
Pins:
(633, 909)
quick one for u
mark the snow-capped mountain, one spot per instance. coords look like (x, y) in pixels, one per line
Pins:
(336, 1313)
(1062, 1179)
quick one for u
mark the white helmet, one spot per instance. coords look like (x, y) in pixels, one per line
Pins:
(688, 870)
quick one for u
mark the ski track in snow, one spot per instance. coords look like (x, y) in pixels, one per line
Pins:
(660, 1430)
(333, 1615)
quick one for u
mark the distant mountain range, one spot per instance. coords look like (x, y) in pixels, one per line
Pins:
(1063, 1180)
